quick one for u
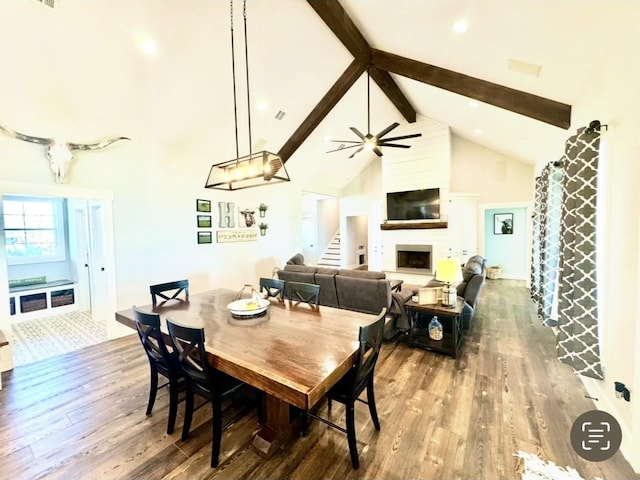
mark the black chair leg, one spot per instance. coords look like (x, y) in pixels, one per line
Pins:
(173, 405)
(371, 400)
(188, 414)
(153, 388)
(216, 436)
(351, 435)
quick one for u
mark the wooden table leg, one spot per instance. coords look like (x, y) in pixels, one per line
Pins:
(277, 428)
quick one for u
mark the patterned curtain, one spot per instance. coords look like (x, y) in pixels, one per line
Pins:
(578, 308)
(546, 242)
(563, 267)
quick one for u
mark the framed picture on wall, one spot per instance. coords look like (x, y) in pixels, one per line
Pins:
(203, 205)
(204, 237)
(204, 221)
(503, 223)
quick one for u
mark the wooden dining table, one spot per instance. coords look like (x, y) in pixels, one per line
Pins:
(294, 354)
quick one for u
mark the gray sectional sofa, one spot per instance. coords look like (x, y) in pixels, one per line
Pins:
(358, 290)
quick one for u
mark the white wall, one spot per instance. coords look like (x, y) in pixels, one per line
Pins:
(494, 177)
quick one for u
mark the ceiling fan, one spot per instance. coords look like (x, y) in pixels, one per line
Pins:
(369, 141)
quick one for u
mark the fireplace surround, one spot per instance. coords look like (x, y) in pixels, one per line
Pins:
(414, 258)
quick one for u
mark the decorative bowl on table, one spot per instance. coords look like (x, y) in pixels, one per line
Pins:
(248, 308)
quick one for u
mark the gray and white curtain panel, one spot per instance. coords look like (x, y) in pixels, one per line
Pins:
(563, 267)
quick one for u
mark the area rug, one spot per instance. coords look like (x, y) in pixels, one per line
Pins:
(536, 468)
(38, 339)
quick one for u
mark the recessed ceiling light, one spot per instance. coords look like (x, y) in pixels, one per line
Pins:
(263, 106)
(478, 131)
(148, 47)
(460, 26)
(473, 104)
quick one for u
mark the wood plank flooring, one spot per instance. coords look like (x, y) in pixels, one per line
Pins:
(82, 415)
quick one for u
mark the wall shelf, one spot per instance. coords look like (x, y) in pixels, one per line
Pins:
(413, 225)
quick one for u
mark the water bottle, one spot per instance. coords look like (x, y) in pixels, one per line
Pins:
(435, 329)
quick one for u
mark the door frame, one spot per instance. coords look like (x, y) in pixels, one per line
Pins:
(528, 206)
(63, 191)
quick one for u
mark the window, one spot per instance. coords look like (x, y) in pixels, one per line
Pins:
(34, 229)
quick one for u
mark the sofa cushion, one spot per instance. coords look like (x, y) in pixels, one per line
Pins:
(363, 294)
(471, 268)
(297, 273)
(325, 277)
(297, 259)
(362, 274)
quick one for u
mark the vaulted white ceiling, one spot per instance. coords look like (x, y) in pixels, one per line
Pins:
(77, 70)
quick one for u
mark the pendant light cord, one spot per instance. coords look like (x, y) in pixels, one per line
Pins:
(246, 59)
(368, 103)
(233, 70)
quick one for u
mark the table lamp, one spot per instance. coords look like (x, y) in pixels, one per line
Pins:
(449, 272)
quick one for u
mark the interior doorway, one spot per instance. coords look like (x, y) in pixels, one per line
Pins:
(91, 253)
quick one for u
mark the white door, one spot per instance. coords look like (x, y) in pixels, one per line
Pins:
(97, 261)
(463, 226)
(309, 240)
(86, 249)
(375, 253)
(79, 251)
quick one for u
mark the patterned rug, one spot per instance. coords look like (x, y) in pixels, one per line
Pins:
(536, 468)
(41, 338)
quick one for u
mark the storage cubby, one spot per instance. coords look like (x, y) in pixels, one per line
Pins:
(41, 300)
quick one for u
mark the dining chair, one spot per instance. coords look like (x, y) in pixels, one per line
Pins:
(303, 292)
(177, 287)
(272, 287)
(348, 389)
(161, 362)
(202, 379)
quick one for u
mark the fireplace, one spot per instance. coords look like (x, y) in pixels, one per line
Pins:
(414, 258)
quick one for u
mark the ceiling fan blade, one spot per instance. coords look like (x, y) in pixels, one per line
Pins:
(377, 151)
(397, 145)
(345, 141)
(388, 129)
(354, 153)
(357, 132)
(344, 148)
(402, 137)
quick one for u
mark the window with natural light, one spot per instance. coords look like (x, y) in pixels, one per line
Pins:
(34, 229)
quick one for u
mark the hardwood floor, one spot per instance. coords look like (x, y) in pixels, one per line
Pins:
(82, 415)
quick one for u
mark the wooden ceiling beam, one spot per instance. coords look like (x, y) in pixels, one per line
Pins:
(391, 90)
(338, 20)
(532, 106)
(326, 104)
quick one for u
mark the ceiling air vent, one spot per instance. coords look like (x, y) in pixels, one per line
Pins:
(280, 115)
(48, 3)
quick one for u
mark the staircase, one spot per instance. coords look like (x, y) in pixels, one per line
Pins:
(331, 255)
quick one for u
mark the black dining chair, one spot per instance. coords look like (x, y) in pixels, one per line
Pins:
(202, 379)
(161, 362)
(174, 289)
(348, 389)
(303, 292)
(272, 287)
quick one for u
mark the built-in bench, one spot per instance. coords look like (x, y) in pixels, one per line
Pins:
(38, 299)
(3, 343)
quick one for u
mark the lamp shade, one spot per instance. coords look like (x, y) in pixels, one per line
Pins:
(448, 270)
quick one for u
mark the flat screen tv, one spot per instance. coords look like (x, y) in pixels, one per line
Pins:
(414, 205)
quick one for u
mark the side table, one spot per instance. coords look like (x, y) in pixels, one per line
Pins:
(418, 329)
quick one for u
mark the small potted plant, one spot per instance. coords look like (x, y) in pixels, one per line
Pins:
(263, 209)
(263, 228)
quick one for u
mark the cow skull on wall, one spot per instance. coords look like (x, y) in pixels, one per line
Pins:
(59, 153)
